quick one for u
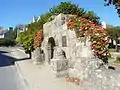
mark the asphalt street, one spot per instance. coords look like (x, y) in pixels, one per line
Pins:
(9, 77)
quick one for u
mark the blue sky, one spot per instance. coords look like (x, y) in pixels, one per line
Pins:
(13, 12)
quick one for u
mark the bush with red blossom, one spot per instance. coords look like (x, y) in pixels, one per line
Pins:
(98, 35)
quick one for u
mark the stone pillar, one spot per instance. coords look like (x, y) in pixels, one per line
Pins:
(46, 53)
(59, 64)
(38, 56)
(60, 67)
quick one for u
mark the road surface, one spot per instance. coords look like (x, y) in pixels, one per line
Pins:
(9, 77)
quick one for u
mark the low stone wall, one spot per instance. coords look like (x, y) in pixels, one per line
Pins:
(93, 77)
(102, 79)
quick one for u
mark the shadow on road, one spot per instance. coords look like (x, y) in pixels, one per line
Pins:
(3, 52)
(6, 60)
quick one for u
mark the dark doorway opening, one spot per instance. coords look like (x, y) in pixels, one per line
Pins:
(51, 45)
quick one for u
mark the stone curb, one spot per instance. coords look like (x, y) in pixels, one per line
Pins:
(20, 73)
(21, 50)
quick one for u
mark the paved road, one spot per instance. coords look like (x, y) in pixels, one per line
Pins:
(9, 77)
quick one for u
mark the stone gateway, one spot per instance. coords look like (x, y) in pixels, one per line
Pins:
(72, 56)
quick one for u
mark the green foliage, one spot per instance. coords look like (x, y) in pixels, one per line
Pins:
(92, 16)
(114, 32)
(20, 37)
(28, 43)
(70, 8)
(67, 8)
(26, 39)
(7, 42)
(44, 18)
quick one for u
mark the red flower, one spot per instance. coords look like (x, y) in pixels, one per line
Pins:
(98, 42)
(100, 52)
(88, 28)
(38, 39)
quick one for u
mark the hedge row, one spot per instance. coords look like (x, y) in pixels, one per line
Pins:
(7, 42)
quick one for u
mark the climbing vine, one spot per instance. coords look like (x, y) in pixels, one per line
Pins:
(38, 39)
(97, 34)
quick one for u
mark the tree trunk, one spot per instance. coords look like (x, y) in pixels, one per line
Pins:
(117, 49)
(30, 54)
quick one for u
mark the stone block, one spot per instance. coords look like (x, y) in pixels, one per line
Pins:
(59, 65)
(63, 73)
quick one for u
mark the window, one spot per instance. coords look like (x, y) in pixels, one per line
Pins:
(64, 41)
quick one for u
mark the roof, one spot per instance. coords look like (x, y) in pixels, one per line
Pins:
(2, 32)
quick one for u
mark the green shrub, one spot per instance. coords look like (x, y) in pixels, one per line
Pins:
(7, 42)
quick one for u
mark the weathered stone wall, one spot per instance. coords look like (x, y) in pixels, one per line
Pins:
(82, 63)
(56, 29)
(74, 48)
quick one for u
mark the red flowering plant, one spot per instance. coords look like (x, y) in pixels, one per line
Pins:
(38, 39)
(98, 35)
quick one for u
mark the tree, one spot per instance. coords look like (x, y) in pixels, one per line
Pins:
(28, 44)
(67, 8)
(27, 37)
(43, 19)
(116, 3)
(27, 40)
(92, 16)
(21, 36)
(114, 34)
(70, 8)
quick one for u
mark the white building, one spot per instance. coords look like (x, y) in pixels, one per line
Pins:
(21, 28)
(103, 24)
(2, 33)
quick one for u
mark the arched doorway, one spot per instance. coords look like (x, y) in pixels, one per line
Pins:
(51, 45)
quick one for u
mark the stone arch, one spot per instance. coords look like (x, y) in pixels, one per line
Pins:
(51, 45)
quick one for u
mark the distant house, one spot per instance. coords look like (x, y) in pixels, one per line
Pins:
(21, 28)
(10, 28)
(103, 24)
(2, 33)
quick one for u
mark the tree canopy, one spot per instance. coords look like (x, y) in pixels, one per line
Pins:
(114, 32)
(67, 8)
(71, 8)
